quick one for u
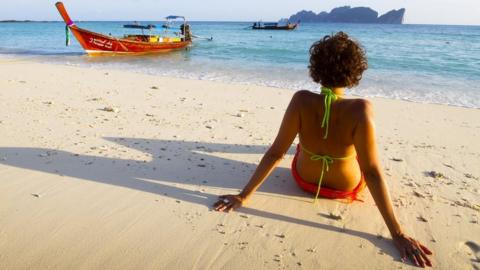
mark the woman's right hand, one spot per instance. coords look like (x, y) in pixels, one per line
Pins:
(227, 203)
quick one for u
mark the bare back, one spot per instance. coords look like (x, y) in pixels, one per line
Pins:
(342, 174)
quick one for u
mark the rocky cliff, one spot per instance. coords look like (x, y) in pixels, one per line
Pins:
(392, 17)
(348, 14)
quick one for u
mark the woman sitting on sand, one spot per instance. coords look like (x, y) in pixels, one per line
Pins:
(337, 149)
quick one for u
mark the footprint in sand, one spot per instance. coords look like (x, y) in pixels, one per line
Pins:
(475, 248)
(467, 254)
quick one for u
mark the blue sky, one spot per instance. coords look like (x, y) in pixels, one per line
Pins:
(418, 11)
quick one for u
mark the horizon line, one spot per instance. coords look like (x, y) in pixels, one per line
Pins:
(239, 21)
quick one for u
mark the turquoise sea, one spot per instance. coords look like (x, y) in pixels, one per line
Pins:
(421, 63)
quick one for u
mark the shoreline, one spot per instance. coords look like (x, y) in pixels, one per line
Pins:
(39, 59)
(113, 169)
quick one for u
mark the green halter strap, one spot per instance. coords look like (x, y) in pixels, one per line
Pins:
(326, 162)
(329, 98)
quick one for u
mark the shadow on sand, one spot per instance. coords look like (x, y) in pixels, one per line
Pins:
(175, 162)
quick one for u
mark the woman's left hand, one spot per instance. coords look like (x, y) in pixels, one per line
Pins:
(412, 249)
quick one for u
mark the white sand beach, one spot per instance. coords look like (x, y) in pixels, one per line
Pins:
(109, 169)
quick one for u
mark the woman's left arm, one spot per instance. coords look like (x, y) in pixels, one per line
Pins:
(286, 134)
(366, 147)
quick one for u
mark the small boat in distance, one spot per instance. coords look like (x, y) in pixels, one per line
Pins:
(100, 44)
(136, 25)
(274, 26)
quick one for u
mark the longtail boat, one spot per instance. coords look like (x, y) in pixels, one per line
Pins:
(273, 26)
(100, 44)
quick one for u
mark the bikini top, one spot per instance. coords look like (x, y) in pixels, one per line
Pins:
(325, 159)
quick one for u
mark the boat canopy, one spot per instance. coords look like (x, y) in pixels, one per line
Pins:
(138, 26)
(173, 17)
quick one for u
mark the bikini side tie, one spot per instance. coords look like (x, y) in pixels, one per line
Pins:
(329, 98)
(326, 162)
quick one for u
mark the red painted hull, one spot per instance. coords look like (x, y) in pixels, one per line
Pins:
(98, 44)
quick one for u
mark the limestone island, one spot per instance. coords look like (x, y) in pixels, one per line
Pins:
(348, 14)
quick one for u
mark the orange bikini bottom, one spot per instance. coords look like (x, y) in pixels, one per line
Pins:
(326, 192)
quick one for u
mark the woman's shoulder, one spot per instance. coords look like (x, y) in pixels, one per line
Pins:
(301, 94)
(356, 106)
(304, 96)
(360, 104)
(357, 103)
(361, 108)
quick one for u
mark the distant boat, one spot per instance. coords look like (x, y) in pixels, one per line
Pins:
(274, 26)
(139, 26)
(100, 44)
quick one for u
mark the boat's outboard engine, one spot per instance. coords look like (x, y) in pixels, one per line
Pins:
(185, 30)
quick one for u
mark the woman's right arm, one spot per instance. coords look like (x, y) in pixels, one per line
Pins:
(286, 134)
(366, 148)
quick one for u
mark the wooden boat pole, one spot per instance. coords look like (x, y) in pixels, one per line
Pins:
(63, 12)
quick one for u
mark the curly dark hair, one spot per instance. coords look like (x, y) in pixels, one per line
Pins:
(337, 61)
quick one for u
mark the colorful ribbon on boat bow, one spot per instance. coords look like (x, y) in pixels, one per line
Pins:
(67, 35)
